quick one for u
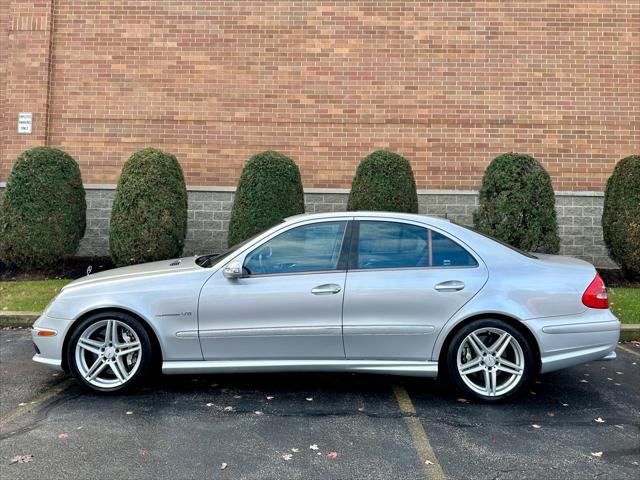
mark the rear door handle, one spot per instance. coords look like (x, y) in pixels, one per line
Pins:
(326, 289)
(449, 286)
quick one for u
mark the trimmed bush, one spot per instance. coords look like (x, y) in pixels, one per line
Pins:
(621, 215)
(517, 204)
(269, 190)
(149, 214)
(384, 182)
(43, 214)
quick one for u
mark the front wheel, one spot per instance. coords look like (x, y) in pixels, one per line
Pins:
(109, 352)
(490, 360)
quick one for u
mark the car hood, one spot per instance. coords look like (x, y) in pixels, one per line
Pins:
(163, 267)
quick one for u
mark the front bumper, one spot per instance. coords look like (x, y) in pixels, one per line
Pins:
(49, 348)
(570, 340)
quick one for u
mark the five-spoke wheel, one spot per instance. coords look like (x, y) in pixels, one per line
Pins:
(491, 360)
(109, 351)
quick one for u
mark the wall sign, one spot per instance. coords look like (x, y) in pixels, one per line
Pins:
(25, 122)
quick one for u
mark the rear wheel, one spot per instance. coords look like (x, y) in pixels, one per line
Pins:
(490, 360)
(109, 352)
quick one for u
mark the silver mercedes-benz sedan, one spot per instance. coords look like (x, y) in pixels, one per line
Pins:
(370, 292)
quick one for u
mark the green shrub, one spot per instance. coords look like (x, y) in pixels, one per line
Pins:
(517, 204)
(269, 190)
(149, 214)
(621, 215)
(384, 181)
(43, 212)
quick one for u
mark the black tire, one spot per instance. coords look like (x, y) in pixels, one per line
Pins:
(519, 385)
(146, 351)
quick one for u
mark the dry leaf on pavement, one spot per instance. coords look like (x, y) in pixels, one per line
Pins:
(314, 447)
(428, 462)
(536, 426)
(21, 459)
(223, 466)
(287, 456)
(143, 452)
(596, 454)
(332, 454)
(63, 435)
(599, 420)
(228, 408)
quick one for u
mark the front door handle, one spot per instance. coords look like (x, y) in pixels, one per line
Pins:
(326, 289)
(450, 286)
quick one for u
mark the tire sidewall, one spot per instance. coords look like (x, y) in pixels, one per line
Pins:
(145, 344)
(527, 350)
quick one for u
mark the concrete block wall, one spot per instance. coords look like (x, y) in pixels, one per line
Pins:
(579, 216)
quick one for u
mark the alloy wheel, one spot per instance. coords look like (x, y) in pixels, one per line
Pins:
(490, 361)
(108, 353)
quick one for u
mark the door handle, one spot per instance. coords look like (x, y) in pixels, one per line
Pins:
(326, 289)
(449, 286)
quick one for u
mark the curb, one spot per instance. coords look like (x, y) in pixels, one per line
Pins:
(628, 332)
(18, 319)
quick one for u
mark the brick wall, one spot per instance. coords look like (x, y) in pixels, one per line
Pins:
(447, 84)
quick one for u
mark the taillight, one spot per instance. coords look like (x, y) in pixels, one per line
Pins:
(595, 296)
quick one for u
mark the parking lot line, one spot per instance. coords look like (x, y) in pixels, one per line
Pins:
(428, 459)
(628, 350)
(37, 400)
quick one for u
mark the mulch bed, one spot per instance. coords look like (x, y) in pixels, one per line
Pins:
(71, 267)
(613, 277)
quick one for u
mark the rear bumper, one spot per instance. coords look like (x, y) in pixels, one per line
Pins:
(570, 340)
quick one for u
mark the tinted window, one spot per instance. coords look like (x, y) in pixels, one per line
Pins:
(388, 245)
(400, 245)
(303, 249)
(447, 253)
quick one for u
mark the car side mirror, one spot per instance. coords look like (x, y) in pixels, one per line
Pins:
(234, 270)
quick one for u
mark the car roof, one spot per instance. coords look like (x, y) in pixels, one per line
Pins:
(390, 215)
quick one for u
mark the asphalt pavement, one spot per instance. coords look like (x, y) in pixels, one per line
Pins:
(579, 423)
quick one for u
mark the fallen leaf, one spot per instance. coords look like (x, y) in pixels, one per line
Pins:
(209, 404)
(587, 374)
(237, 397)
(609, 378)
(258, 412)
(79, 428)
(223, 466)
(428, 462)
(462, 400)
(332, 454)
(565, 404)
(295, 450)
(599, 420)
(63, 435)
(551, 414)
(269, 397)
(128, 412)
(143, 452)
(319, 453)
(536, 426)
(287, 456)
(617, 384)
(22, 404)
(228, 408)
(314, 447)
(619, 373)
(309, 399)
(21, 459)
(596, 454)
(584, 381)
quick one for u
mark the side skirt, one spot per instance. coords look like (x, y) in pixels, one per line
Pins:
(416, 369)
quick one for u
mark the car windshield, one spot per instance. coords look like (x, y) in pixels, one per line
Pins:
(497, 240)
(208, 261)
